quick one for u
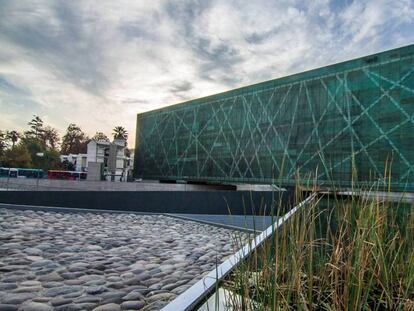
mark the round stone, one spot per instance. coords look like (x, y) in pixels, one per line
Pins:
(134, 295)
(7, 286)
(42, 263)
(132, 305)
(30, 283)
(93, 248)
(93, 290)
(28, 289)
(62, 290)
(108, 307)
(51, 277)
(35, 306)
(79, 266)
(18, 298)
(33, 251)
(58, 301)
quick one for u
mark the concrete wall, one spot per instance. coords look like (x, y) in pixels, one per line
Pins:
(94, 171)
(183, 202)
(87, 185)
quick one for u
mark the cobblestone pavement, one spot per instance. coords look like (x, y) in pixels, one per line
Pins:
(102, 261)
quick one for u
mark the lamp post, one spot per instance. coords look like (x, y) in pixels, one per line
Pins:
(40, 155)
(8, 179)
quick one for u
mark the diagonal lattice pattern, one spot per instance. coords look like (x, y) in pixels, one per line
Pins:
(320, 124)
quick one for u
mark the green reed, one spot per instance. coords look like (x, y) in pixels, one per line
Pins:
(353, 253)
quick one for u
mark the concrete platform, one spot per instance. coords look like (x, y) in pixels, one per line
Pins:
(238, 222)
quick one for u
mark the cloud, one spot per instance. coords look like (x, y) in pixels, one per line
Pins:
(100, 65)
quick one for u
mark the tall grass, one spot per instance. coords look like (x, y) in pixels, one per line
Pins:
(334, 254)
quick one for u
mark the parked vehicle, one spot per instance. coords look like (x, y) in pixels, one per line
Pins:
(21, 172)
(66, 175)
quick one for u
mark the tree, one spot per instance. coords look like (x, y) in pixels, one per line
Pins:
(74, 141)
(3, 142)
(18, 156)
(68, 166)
(50, 137)
(100, 136)
(36, 128)
(50, 158)
(13, 136)
(120, 132)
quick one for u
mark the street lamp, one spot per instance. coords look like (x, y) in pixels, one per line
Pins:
(40, 155)
(8, 179)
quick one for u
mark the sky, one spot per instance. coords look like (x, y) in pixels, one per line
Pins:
(99, 63)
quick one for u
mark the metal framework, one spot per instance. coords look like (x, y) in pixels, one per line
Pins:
(324, 124)
(200, 290)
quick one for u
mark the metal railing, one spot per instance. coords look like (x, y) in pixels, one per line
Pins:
(195, 295)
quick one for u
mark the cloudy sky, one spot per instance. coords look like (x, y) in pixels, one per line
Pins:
(99, 63)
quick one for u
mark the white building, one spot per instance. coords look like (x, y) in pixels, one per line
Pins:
(103, 159)
(116, 166)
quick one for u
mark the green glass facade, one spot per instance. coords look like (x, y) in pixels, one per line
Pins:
(319, 124)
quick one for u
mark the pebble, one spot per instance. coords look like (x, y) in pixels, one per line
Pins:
(33, 251)
(63, 290)
(35, 306)
(60, 301)
(51, 277)
(108, 307)
(7, 286)
(134, 295)
(17, 299)
(69, 307)
(132, 305)
(30, 283)
(93, 290)
(104, 262)
(28, 289)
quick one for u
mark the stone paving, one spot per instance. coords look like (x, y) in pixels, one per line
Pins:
(102, 261)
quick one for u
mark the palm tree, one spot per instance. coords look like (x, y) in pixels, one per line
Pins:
(100, 136)
(13, 136)
(119, 132)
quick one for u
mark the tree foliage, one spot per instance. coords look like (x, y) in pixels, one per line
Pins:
(3, 142)
(36, 128)
(68, 166)
(18, 156)
(50, 158)
(74, 141)
(99, 136)
(13, 136)
(120, 132)
(50, 137)
(38, 146)
(39, 139)
(46, 135)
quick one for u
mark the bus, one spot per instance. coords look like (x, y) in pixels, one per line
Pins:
(13, 172)
(66, 175)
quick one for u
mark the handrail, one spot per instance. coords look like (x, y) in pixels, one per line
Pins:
(200, 290)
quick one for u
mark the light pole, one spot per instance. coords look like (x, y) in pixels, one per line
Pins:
(40, 155)
(8, 179)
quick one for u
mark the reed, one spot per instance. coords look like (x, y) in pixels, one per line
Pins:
(337, 253)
